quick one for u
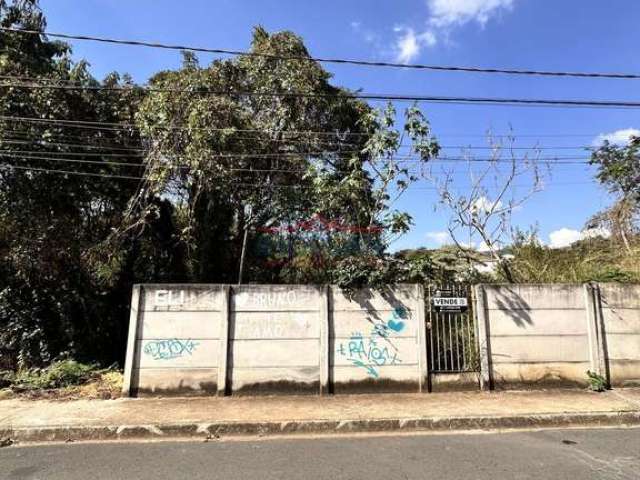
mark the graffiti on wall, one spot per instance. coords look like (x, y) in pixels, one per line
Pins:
(274, 325)
(169, 349)
(182, 299)
(375, 350)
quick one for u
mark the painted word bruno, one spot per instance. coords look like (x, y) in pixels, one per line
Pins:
(376, 350)
(169, 349)
(270, 299)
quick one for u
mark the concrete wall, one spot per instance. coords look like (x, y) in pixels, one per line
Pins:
(207, 339)
(620, 306)
(375, 340)
(538, 334)
(199, 339)
(275, 339)
(174, 338)
(550, 335)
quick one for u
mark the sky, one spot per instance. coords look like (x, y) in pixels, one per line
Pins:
(568, 35)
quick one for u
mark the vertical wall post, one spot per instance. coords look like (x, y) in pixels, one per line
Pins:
(484, 338)
(223, 350)
(423, 379)
(134, 316)
(595, 334)
(325, 354)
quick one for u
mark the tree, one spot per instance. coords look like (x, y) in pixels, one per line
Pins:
(254, 144)
(619, 172)
(182, 181)
(484, 213)
(52, 300)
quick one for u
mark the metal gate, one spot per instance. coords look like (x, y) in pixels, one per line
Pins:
(452, 344)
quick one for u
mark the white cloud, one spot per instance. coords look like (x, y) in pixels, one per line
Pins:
(619, 137)
(567, 236)
(563, 237)
(409, 44)
(443, 16)
(447, 13)
(439, 238)
(484, 205)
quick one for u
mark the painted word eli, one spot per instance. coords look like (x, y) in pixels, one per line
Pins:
(370, 352)
(182, 298)
(169, 349)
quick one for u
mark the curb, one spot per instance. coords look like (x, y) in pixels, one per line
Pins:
(235, 429)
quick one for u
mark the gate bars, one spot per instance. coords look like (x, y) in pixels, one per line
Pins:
(453, 347)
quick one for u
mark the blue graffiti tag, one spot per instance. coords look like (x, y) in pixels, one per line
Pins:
(364, 352)
(169, 349)
(395, 323)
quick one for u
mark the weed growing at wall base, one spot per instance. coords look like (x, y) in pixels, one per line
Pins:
(597, 382)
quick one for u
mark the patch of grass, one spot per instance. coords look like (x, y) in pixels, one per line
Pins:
(65, 379)
(59, 374)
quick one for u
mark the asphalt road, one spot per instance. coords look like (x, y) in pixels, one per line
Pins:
(570, 454)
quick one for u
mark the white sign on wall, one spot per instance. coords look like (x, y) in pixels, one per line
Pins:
(445, 302)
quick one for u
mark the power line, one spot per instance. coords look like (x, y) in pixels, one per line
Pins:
(139, 165)
(70, 172)
(29, 155)
(44, 143)
(458, 100)
(76, 154)
(294, 186)
(367, 63)
(487, 134)
(114, 126)
(139, 151)
(274, 155)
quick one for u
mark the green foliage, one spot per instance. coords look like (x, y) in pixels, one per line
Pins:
(62, 289)
(619, 171)
(619, 167)
(590, 260)
(597, 383)
(445, 265)
(217, 169)
(59, 374)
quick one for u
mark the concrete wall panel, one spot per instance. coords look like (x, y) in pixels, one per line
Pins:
(538, 322)
(275, 353)
(390, 352)
(535, 297)
(270, 380)
(623, 346)
(172, 324)
(181, 298)
(621, 320)
(269, 298)
(175, 381)
(400, 296)
(350, 321)
(620, 296)
(625, 373)
(551, 374)
(274, 325)
(540, 349)
(177, 353)
(390, 378)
